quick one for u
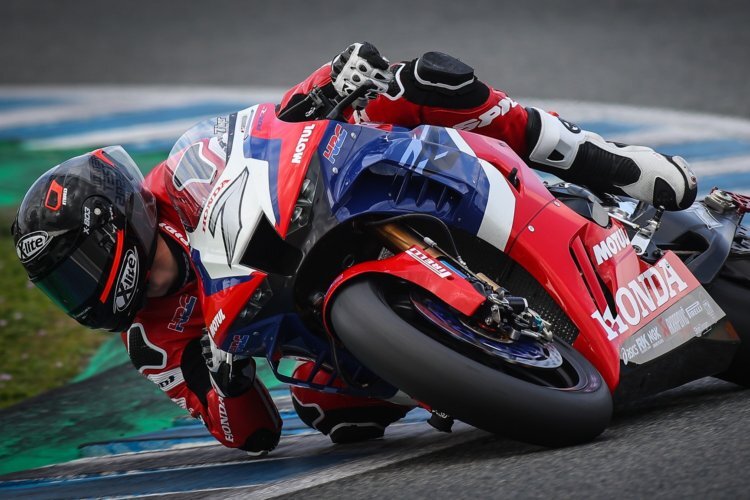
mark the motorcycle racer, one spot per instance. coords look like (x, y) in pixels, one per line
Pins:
(438, 89)
(109, 247)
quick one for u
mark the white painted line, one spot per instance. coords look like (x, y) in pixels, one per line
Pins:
(126, 135)
(462, 433)
(724, 166)
(191, 492)
(658, 117)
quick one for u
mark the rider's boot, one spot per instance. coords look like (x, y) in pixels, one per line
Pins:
(582, 157)
(345, 419)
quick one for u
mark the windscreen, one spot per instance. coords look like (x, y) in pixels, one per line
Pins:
(195, 162)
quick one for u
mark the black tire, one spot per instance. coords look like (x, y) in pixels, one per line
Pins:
(466, 389)
(733, 297)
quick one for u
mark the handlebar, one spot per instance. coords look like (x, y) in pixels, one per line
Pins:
(337, 112)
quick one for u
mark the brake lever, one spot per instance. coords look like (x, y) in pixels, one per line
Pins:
(337, 113)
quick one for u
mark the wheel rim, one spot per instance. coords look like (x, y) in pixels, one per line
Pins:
(524, 351)
(548, 367)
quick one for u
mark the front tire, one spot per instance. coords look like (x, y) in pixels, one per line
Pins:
(475, 392)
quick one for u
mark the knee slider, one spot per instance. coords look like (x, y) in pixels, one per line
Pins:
(439, 80)
(443, 72)
(349, 424)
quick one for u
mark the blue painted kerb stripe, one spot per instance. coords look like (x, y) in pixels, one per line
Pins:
(119, 120)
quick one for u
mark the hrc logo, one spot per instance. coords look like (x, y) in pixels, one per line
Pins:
(182, 313)
(334, 144)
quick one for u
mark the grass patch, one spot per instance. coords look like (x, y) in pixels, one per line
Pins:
(41, 347)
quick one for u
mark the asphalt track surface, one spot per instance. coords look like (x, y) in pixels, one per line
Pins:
(690, 55)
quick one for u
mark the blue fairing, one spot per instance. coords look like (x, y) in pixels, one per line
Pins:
(403, 171)
(210, 285)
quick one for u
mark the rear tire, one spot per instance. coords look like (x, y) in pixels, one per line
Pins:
(733, 297)
(475, 392)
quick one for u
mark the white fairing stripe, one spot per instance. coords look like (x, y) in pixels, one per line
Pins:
(259, 180)
(497, 220)
(255, 202)
(460, 142)
(501, 207)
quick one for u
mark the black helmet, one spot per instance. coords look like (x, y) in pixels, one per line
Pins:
(86, 234)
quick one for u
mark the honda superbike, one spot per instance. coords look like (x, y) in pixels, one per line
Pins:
(432, 266)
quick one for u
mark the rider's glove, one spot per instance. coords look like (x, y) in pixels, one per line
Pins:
(360, 63)
(231, 374)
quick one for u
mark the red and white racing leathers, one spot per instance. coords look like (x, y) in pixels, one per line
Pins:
(163, 343)
(474, 106)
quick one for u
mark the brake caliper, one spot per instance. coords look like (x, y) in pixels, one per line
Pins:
(513, 316)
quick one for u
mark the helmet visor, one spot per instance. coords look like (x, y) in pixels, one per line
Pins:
(74, 283)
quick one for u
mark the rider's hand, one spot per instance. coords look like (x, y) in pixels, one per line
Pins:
(231, 374)
(360, 63)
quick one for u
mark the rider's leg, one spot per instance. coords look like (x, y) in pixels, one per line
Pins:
(583, 157)
(344, 419)
(438, 89)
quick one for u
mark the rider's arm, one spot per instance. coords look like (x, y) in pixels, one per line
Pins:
(437, 89)
(167, 351)
(434, 89)
(164, 345)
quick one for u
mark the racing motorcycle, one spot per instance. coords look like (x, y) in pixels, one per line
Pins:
(432, 266)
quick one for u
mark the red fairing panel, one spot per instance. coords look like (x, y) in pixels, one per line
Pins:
(299, 143)
(641, 292)
(545, 253)
(418, 268)
(529, 188)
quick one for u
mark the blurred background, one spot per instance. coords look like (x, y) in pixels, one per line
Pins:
(77, 74)
(687, 54)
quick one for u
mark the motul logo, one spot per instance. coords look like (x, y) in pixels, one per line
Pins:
(611, 246)
(302, 144)
(31, 245)
(640, 297)
(126, 281)
(216, 322)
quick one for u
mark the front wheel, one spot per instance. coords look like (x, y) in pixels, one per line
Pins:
(554, 404)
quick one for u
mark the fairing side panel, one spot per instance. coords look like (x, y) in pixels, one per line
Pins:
(648, 310)
(429, 170)
(543, 249)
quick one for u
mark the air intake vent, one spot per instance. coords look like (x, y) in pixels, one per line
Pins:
(519, 282)
(419, 191)
(482, 257)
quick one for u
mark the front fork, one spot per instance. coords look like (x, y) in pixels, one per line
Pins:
(499, 305)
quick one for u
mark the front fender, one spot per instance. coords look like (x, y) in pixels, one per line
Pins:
(416, 267)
